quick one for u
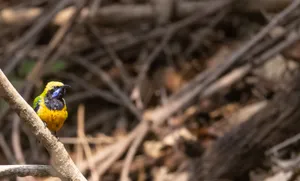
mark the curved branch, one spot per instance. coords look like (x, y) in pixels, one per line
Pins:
(25, 170)
(62, 162)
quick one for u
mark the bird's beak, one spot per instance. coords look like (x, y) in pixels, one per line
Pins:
(66, 86)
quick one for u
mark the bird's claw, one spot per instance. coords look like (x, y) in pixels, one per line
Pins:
(45, 124)
(55, 133)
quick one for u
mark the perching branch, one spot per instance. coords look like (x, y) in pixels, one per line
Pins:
(62, 162)
(25, 170)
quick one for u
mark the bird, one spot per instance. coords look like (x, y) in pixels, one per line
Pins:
(51, 107)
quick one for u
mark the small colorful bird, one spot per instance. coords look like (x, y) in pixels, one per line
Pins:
(51, 107)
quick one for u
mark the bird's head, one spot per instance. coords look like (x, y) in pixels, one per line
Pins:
(55, 90)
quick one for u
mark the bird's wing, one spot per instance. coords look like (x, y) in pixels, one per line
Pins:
(36, 103)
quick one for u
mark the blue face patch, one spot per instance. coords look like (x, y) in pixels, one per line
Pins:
(57, 93)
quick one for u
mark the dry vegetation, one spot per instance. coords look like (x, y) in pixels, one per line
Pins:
(161, 90)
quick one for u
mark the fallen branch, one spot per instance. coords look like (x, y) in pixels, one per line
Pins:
(182, 98)
(188, 93)
(40, 23)
(115, 14)
(62, 162)
(270, 126)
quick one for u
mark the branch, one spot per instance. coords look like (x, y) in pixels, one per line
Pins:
(181, 99)
(25, 170)
(115, 14)
(62, 162)
(277, 121)
(202, 85)
(40, 23)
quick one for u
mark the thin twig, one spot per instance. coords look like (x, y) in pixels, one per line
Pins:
(221, 68)
(18, 57)
(120, 148)
(78, 147)
(77, 97)
(113, 55)
(106, 153)
(289, 141)
(132, 150)
(161, 31)
(6, 150)
(95, 5)
(16, 140)
(161, 113)
(145, 67)
(198, 37)
(114, 87)
(41, 22)
(92, 140)
(93, 123)
(106, 95)
(55, 42)
(84, 144)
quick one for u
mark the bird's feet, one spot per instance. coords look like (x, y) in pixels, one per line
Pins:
(55, 133)
(45, 124)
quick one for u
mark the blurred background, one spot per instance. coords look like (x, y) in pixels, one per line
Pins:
(137, 110)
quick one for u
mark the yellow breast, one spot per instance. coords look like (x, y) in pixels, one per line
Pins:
(53, 118)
